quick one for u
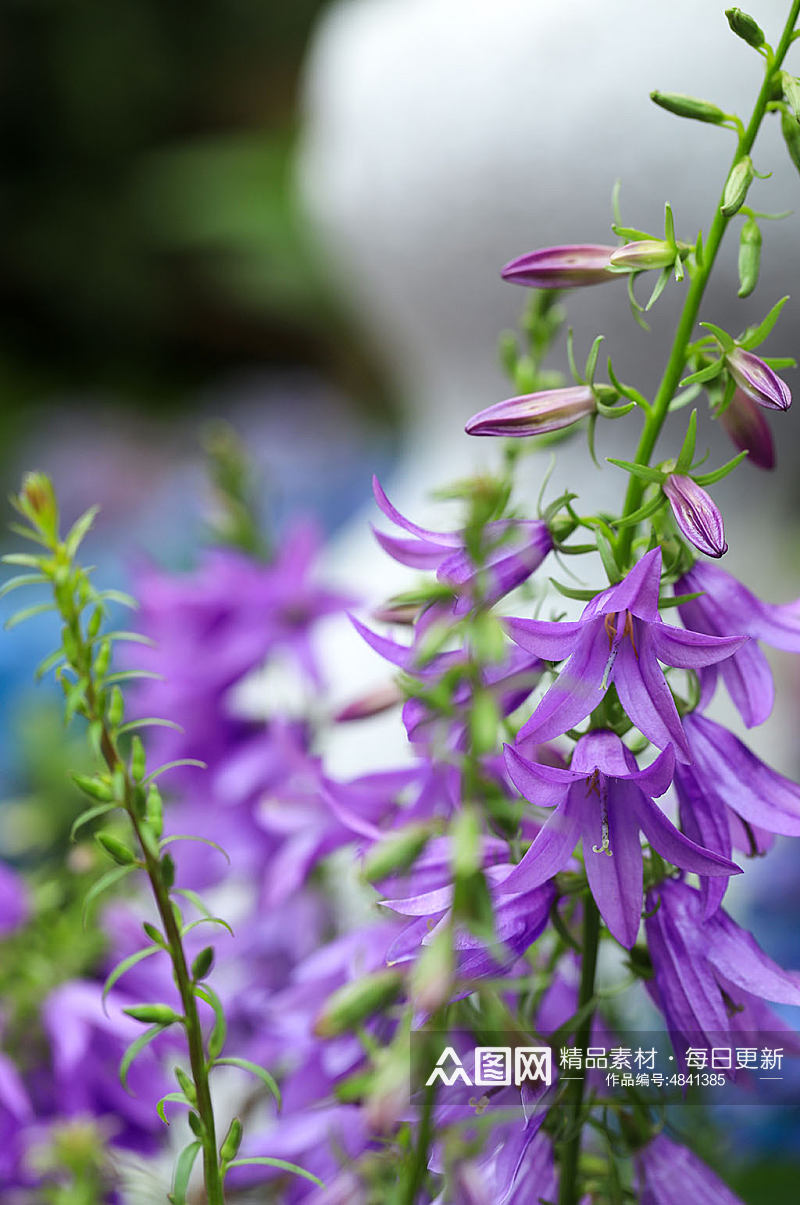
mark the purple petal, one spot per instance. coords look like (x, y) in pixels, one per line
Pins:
(534, 413)
(637, 593)
(645, 695)
(616, 878)
(705, 820)
(549, 853)
(656, 778)
(672, 844)
(545, 786)
(748, 428)
(692, 650)
(736, 955)
(576, 691)
(757, 380)
(604, 751)
(449, 539)
(669, 1174)
(417, 554)
(696, 514)
(563, 267)
(550, 641)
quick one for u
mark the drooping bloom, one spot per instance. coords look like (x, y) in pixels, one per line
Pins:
(621, 639)
(670, 1174)
(728, 797)
(514, 549)
(696, 514)
(757, 380)
(563, 267)
(726, 607)
(605, 800)
(749, 430)
(534, 413)
(711, 977)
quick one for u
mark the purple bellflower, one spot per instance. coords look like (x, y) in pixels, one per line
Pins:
(749, 430)
(726, 608)
(696, 514)
(621, 639)
(728, 797)
(605, 800)
(757, 380)
(516, 549)
(534, 413)
(562, 267)
(711, 977)
(670, 1174)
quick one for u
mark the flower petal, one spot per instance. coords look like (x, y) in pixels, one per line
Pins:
(645, 695)
(550, 641)
(576, 691)
(672, 844)
(549, 853)
(616, 877)
(545, 786)
(692, 650)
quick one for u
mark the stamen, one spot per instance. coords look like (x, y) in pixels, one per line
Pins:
(605, 843)
(628, 631)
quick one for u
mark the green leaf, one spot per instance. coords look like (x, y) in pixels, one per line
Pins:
(121, 967)
(718, 474)
(780, 361)
(758, 334)
(638, 470)
(265, 1161)
(658, 288)
(183, 1172)
(205, 920)
(677, 600)
(134, 1050)
(107, 880)
(591, 361)
(573, 592)
(26, 559)
(171, 1097)
(644, 512)
(79, 529)
(193, 898)
(28, 613)
(130, 675)
(102, 809)
(48, 663)
(171, 765)
(627, 390)
(218, 1034)
(704, 374)
(148, 722)
(629, 233)
(686, 455)
(22, 579)
(118, 596)
(76, 695)
(254, 1069)
(202, 840)
(723, 338)
(132, 637)
(685, 398)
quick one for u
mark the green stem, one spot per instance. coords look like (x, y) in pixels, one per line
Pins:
(191, 1019)
(568, 1192)
(677, 359)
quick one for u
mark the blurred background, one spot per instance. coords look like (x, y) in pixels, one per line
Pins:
(291, 217)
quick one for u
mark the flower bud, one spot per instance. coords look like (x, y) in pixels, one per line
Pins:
(689, 106)
(202, 963)
(697, 516)
(791, 136)
(757, 380)
(790, 89)
(396, 852)
(186, 1085)
(357, 1001)
(749, 257)
(738, 182)
(95, 788)
(232, 1141)
(432, 976)
(745, 27)
(645, 254)
(565, 267)
(534, 413)
(383, 698)
(153, 1014)
(38, 501)
(749, 430)
(116, 849)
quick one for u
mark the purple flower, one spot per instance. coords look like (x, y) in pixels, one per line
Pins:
(514, 550)
(728, 796)
(16, 1113)
(669, 1174)
(726, 608)
(749, 430)
(13, 900)
(757, 380)
(604, 799)
(696, 514)
(534, 413)
(710, 976)
(621, 639)
(564, 267)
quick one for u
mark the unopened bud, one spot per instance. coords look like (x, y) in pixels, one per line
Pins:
(232, 1141)
(138, 759)
(357, 1001)
(377, 701)
(790, 90)
(696, 514)
(748, 428)
(154, 810)
(38, 501)
(153, 1014)
(745, 27)
(397, 852)
(431, 983)
(643, 255)
(749, 256)
(563, 267)
(757, 380)
(689, 106)
(116, 849)
(791, 136)
(116, 707)
(95, 788)
(484, 721)
(186, 1085)
(738, 182)
(534, 413)
(202, 963)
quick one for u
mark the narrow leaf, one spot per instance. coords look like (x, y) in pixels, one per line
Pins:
(22, 579)
(171, 1097)
(206, 920)
(79, 529)
(574, 592)
(134, 1050)
(148, 722)
(202, 840)
(638, 470)
(644, 512)
(264, 1161)
(27, 613)
(686, 455)
(48, 663)
(107, 880)
(90, 814)
(704, 374)
(718, 474)
(218, 1034)
(171, 765)
(254, 1069)
(758, 334)
(183, 1172)
(120, 969)
(26, 559)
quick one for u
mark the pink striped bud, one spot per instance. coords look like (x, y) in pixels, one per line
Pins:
(534, 413)
(757, 380)
(567, 267)
(696, 514)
